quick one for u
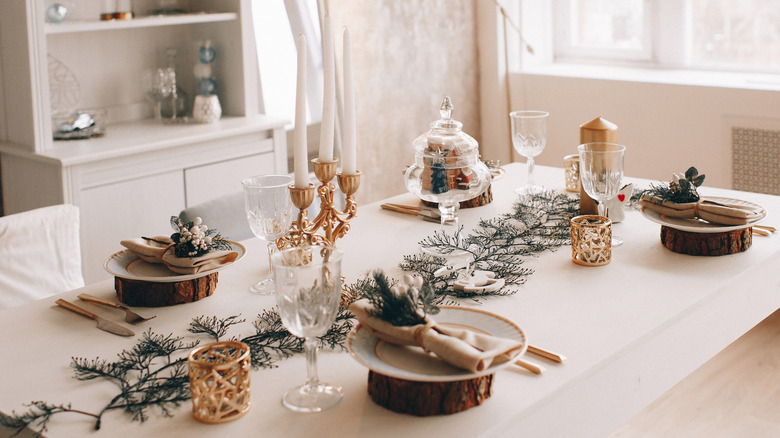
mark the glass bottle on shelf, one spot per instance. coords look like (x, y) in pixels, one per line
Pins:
(174, 105)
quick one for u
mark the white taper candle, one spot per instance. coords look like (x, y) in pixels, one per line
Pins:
(329, 94)
(301, 157)
(349, 166)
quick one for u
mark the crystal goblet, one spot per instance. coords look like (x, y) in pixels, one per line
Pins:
(269, 211)
(601, 171)
(529, 137)
(308, 291)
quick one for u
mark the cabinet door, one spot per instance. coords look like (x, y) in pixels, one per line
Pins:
(211, 181)
(123, 210)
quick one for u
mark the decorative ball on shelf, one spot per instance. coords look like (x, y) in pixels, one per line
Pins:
(206, 53)
(207, 86)
(56, 13)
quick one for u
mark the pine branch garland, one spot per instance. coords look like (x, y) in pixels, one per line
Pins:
(538, 223)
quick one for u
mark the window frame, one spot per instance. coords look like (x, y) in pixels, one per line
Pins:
(565, 51)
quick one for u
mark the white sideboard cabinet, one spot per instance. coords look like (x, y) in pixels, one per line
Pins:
(128, 182)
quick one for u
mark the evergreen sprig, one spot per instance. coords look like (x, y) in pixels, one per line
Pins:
(681, 189)
(153, 373)
(537, 223)
(271, 340)
(400, 303)
(213, 326)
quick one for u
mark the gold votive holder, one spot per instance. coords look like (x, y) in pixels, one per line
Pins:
(325, 170)
(302, 197)
(219, 381)
(349, 184)
(591, 240)
(571, 167)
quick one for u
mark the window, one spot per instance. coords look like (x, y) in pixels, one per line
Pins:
(741, 34)
(276, 23)
(699, 34)
(616, 29)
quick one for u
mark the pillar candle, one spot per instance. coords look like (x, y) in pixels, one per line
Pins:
(301, 155)
(329, 94)
(350, 131)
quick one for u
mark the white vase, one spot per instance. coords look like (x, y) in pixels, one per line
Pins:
(206, 109)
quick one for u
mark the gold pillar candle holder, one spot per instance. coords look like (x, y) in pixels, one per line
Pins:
(302, 230)
(219, 381)
(591, 240)
(571, 167)
(330, 223)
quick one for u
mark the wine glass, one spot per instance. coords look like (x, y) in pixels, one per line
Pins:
(308, 291)
(601, 169)
(529, 137)
(157, 84)
(269, 211)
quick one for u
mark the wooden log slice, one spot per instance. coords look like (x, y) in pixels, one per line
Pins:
(707, 244)
(428, 398)
(150, 294)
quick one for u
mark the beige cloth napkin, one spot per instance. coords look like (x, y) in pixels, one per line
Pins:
(193, 265)
(715, 212)
(159, 249)
(150, 249)
(461, 348)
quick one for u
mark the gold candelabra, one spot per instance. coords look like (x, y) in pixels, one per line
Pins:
(333, 223)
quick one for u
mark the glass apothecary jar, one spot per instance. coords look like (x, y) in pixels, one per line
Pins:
(447, 168)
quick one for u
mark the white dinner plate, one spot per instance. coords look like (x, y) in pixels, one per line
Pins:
(701, 226)
(126, 264)
(412, 363)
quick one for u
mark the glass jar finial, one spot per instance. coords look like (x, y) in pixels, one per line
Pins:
(446, 108)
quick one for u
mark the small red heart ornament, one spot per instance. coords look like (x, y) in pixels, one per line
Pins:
(621, 197)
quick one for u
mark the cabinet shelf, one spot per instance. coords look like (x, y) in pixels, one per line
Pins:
(142, 136)
(137, 23)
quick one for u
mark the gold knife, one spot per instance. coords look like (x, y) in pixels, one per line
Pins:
(102, 324)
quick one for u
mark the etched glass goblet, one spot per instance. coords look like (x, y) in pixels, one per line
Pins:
(269, 211)
(529, 137)
(308, 291)
(601, 170)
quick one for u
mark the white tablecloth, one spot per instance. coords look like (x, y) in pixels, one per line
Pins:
(630, 330)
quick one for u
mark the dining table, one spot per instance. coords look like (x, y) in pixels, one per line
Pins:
(630, 330)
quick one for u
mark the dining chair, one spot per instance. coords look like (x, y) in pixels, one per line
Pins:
(40, 254)
(228, 216)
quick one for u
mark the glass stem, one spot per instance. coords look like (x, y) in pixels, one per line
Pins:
(530, 165)
(271, 246)
(310, 347)
(602, 209)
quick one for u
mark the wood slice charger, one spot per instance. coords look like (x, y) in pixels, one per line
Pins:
(707, 244)
(138, 293)
(428, 398)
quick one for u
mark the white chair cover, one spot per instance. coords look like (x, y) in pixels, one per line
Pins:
(40, 254)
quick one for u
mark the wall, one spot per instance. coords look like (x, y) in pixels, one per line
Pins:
(666, 128)
(407, 55)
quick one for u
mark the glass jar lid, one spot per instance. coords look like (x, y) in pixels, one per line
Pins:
(445, 136)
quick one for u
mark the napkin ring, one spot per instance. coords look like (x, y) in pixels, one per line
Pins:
(420, 331)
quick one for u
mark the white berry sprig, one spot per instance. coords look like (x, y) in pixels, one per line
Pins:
(194, 238)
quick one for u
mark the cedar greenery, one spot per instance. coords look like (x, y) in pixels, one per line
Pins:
(148, 375)
(537, 223)
(680, 190)
(400, 308)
